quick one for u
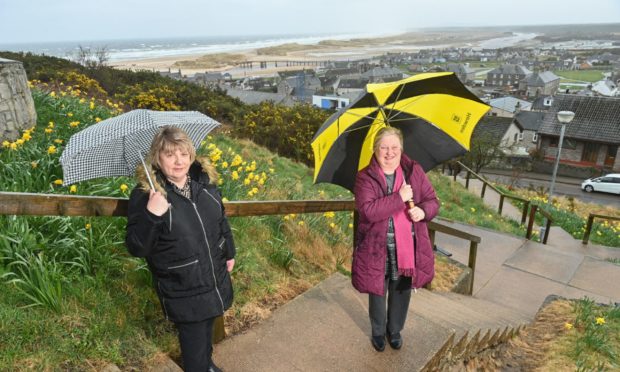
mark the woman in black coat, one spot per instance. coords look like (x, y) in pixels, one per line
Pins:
(182, 231)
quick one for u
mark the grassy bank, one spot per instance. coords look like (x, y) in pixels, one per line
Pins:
(74, 299)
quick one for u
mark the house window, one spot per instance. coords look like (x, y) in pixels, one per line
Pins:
(520, 136)
(516, 137)
(535, 137)
(590, 152)
(553, 142)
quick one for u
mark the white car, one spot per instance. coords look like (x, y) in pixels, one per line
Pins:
(608, 183)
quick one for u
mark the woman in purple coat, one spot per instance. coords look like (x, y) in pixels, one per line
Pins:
(393, 252)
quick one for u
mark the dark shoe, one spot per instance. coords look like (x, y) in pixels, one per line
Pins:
(378, 342)
(395, 340)
(213, 368)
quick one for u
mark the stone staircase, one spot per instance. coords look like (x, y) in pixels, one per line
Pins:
(327, 329)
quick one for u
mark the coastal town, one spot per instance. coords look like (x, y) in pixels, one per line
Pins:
(520, 84)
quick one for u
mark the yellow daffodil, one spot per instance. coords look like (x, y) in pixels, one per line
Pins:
(472, 209)
(124, 187)
(286, 218)
(224, 199)
(271, 170)
(58, 182)
(58, 141)
(254, 190)
(234, 175)
(332, 225)
(97, 119)
(350, 226)
(51, 149)
(568, 326)
(329, 214)
(48, 130)
(600, 321)
(92, 105)
(74, 124)
(225, 164)
(73, 188)
(69, 114)
(26, 136)
(246, 181)
(6, 144)
(300, 223)
(88, 226)
(52, 94)
(34, 164)
(19, 142)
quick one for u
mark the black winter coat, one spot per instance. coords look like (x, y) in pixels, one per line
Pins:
(186, 249)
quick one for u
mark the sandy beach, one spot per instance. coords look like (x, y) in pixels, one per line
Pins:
(327, 50)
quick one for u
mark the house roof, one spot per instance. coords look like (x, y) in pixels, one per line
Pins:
(379, 72)
(509, 103)
(530, 120)
(493, 126)
(253, 97)
(539, 79)
(510, 69)
(597, 119)
(459, 68)
(539, 103)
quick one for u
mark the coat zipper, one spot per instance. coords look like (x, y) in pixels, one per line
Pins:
(210, 258)
(212, 197)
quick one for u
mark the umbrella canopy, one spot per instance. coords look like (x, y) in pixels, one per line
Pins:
(113, 146)
(435, 112)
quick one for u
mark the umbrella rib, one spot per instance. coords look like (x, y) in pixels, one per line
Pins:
(400, 111)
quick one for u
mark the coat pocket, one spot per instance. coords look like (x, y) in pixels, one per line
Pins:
(182, 278)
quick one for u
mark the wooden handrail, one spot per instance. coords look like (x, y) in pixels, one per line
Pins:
(591, 217)
(502, 195)
(16, 203)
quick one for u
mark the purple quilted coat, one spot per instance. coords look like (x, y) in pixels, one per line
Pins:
(375, 207)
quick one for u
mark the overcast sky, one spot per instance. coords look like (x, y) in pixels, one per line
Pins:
(75, 20)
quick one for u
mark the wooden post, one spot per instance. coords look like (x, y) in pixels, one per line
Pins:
(526, 205)
(547, 228)
(473, 251)
(530, 224)
(501, 204)
(586, 234)
(484, 187)
(467, 180)
(219, 333)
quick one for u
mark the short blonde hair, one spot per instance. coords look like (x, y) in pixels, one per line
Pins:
(170, 138)
(384, 132)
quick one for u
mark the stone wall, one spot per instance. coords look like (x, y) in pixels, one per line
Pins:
(16, 104)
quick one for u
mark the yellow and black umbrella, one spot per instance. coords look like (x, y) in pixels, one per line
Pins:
(435, 112)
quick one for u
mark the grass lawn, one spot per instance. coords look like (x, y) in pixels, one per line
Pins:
(589, 76)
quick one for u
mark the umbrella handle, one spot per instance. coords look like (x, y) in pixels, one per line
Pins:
(146, 170)
(409, 202)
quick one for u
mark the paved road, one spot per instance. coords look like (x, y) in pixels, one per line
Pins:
(561, 188)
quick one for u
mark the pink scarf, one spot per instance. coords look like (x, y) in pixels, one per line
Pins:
(402, 232)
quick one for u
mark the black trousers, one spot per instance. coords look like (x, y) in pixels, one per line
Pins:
(390, 319)
(196, 347)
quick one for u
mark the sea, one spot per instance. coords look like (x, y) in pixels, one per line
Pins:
(137, 49)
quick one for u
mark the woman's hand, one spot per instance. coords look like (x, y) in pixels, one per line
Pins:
(157, 204)
(406, 193)
(230, 264)
(416, 214)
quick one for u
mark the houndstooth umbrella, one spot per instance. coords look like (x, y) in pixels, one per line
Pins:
(113, 147)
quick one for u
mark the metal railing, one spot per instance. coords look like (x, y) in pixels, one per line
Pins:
(591, 217)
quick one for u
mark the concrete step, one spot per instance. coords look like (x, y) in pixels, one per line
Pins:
(327, 329)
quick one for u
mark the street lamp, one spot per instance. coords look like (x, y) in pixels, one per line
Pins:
(564, 117)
